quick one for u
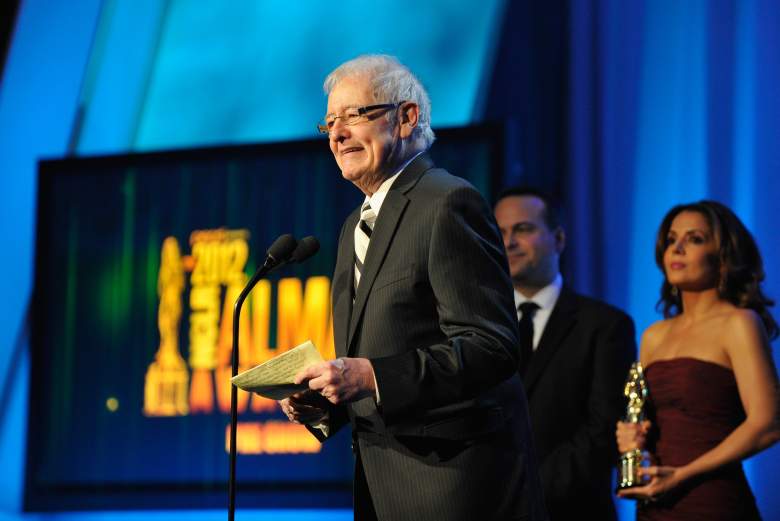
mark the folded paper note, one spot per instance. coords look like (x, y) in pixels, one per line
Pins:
(274, 378)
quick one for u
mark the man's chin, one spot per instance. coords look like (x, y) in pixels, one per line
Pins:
(351, 174)
(518, 272)
(521, 277)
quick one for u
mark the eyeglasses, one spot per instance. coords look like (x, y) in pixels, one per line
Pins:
(353, 116)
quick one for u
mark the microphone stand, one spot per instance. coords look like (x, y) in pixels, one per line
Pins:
(282, 252)
(269, 265)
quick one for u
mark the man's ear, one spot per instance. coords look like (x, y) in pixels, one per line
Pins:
(408, 114)
(560, 240)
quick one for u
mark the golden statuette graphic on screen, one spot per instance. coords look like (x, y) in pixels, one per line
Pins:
(167, 378)
(194, 378)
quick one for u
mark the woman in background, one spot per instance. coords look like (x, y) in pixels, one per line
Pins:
(712, 382)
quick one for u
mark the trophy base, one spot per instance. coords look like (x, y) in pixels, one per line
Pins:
(628, 469)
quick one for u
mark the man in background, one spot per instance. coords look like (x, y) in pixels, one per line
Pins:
(575, 353)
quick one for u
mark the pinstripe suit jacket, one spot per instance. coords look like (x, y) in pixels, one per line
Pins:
(434, 313)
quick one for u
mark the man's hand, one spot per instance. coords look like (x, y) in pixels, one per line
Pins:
(305, 408)
(341, 380)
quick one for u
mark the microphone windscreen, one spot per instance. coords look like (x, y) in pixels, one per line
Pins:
(282, 247)
(306, 248)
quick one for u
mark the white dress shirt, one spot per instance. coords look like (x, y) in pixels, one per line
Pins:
(545, 298)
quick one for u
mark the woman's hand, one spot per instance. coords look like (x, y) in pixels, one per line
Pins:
(631, 436)
(662, 480)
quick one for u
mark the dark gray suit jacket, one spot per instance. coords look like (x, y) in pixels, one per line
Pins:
(434, 313)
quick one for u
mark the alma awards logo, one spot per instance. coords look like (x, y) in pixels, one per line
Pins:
(201, 384)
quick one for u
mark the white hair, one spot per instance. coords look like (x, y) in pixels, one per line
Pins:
(391, 81)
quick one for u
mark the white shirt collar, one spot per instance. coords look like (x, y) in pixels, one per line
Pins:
(546, 297)
(378, 197)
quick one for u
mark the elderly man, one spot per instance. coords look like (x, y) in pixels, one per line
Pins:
(424, 321)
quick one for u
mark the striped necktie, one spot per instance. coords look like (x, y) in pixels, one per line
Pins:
(362, 237)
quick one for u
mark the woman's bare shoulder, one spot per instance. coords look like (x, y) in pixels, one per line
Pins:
(653, 337)
(742, 326)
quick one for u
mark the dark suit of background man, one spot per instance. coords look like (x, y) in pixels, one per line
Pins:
(580, 355)
(424, 323)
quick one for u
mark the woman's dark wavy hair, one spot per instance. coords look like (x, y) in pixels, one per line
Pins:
(739, 261)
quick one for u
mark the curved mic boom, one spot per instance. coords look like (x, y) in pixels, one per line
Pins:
(285, 249)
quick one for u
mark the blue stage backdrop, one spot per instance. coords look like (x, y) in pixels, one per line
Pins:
(671, 102)
(622, 108)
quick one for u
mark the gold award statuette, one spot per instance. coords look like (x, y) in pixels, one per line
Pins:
(631, 461)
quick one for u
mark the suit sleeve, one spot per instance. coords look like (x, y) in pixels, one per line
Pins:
(593, 445)
(337, 418)
(469, 280)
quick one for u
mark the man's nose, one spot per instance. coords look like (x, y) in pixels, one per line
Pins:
(509, 241)
(338, 131)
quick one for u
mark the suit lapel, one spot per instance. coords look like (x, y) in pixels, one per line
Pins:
(561, 321)
(343, 283)
(384, 231)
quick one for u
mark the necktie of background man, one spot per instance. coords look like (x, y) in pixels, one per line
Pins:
(526, 326)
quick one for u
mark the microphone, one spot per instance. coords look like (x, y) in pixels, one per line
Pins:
(284, 250)
(306, 249)
(280, 251)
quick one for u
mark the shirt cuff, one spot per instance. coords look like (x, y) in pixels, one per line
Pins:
(376, 387)
(322, 424)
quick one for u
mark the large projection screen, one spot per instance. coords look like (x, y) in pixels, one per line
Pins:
(139, 259)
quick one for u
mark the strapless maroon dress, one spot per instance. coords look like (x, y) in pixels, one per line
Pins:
(694, 406)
